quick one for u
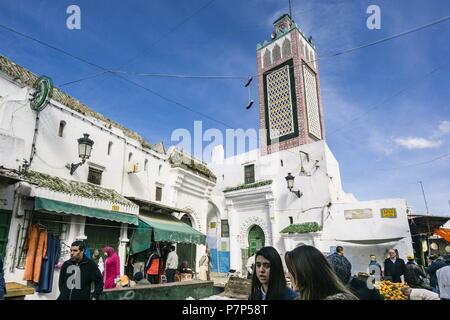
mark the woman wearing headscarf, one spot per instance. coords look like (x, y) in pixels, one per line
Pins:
(112, 267)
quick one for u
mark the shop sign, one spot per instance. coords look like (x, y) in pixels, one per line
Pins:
(358, 214)
(115, 207)
(388, 213)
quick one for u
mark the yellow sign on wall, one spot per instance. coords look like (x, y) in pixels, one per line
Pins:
(389, 213)
(212, 225)
(115, 207)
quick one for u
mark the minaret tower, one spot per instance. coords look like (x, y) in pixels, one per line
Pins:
(290, 108)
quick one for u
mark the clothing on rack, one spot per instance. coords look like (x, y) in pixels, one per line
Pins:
(48, 266)
(36, 250)
(87, 251)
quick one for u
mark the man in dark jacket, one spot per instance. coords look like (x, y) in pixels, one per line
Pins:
(77, 275)
(340, 264)
(394, 267)
(436, 264)
(413, 273)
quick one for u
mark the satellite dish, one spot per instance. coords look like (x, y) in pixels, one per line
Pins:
(43, 93)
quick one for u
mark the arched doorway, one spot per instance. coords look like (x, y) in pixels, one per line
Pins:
(256, 240)
(187, 251)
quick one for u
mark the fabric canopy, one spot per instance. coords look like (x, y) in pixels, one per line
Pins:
(70, 208)
(162, 227)
(444, 233)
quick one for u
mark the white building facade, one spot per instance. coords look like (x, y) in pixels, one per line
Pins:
(252, 193)
(122, 166)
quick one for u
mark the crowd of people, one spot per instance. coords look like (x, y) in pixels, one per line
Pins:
(314, 276)
(79, 273)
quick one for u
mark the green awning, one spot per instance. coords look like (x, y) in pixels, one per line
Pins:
(163, 227)
(70, 208)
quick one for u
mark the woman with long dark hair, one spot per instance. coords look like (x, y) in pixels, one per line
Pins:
(268, 281)
(313, 277)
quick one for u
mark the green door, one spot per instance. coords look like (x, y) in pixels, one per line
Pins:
(5, 219)
(255, 240)
(102, 233)
(187, 251)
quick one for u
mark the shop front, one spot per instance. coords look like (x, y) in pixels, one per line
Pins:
(52, 214)
(156, 232)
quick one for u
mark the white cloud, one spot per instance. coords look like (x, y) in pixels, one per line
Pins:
(417, 142)
(444, 126)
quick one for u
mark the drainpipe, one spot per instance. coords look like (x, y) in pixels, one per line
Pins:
(33, 145)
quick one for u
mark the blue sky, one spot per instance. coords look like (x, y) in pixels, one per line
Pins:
(375, 150)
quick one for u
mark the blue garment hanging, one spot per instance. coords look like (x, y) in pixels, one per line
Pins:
(48, 265)
(87, 251)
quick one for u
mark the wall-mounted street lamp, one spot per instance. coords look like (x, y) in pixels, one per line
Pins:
(84, 152)
(290, 184)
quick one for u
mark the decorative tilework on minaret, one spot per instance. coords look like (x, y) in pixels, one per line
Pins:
(290, 106)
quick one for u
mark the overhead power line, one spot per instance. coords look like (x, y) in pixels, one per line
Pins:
(146, 51)
(119, 76)
(237, 77)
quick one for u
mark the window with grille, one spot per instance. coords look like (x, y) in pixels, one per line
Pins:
(158, 194)
(312, 102)
(55, 224)
(95, 176)
(225, 229)
(249, 174)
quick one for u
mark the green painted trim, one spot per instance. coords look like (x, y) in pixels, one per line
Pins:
(163, 227)
(248, 186)
(295, 134)
(260, 46)
(282, 16)
(265, 43)
(75, 209)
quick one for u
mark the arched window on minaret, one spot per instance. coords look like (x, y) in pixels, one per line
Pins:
(302, 47)
(308, 55)
(276, 53)
(267, 60)
(286, 48)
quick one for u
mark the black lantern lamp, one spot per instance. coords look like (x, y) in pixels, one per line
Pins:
(84, 152)
(290, 184)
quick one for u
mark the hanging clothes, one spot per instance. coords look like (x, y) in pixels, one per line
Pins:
(87, 251)
(48, 265)
(31, 245)
(41, 251)
(101, 265)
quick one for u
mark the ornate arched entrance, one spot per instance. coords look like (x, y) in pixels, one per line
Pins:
(187, 251)
(256, 240)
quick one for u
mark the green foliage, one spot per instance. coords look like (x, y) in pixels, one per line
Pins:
(302, 228)
(249, 185)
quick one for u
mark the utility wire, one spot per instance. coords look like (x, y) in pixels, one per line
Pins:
(189, 108)
(119, 76)
(164, 36)
(394, 36)
(420, 163)
(395, 94)
(239, 77)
